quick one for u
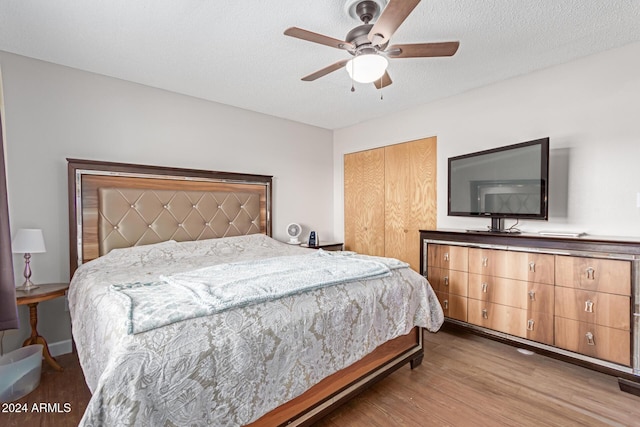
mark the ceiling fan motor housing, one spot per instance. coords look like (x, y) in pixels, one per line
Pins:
(359, 38)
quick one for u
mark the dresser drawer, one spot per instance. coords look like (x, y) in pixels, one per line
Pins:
(594, 274)
(528, 266)
(449, 257)
(514, 293)
(450, 281)
(594, 307)
(515, 321)
(453, 306)
(593, 340)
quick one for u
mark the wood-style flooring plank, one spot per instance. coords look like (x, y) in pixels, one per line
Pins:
(464, 380)
(55, 390)
(468, 380)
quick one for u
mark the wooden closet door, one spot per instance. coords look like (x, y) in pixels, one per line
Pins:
(364, 202)
(410, 197)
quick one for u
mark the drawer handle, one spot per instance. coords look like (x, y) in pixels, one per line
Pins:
(530, 324)
(446, 256)
(485, 313)
(532, 267)
(446, 304)
(532, 295)
(590, 340)
(485, 261)
(591, 273)
(588, 306)
(484, 287)
(446, 280)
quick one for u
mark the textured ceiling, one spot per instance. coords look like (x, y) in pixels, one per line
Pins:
(235, 53)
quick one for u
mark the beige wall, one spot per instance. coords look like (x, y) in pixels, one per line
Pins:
(54, 112)
(589, 108)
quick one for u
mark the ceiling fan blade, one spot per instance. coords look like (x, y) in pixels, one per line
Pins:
(391, 18)
(383, 81)
(326, 70)
(422, 50)
(317, 38)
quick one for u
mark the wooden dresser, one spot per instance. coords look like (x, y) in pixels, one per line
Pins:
(573, 298)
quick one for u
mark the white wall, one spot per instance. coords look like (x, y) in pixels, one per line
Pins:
(54, 112)
(587, 107)
(590, 110)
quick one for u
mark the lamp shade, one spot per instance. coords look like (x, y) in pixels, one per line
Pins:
(28, 241)
(367, 68)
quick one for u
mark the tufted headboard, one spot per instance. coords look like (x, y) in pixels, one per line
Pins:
(116, 205)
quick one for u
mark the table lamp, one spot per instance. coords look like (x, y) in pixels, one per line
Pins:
(28, 241)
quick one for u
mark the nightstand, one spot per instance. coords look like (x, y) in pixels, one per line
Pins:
(32, 299)
(329, 246)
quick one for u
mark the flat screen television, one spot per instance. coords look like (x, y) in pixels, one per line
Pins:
(505, 182)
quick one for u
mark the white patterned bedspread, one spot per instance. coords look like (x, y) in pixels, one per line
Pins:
(228, 368)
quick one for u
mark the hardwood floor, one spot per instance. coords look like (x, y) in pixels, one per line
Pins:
(464, 380)
(55, 387)
(467, 380)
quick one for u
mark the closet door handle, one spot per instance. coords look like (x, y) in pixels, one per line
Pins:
(590, 338)
(530, 324)
(588, 306)
(591, 273)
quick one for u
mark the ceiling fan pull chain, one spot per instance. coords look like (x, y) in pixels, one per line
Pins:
(353, 89)
(381, 87)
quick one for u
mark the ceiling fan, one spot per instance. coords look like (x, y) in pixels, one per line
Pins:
(369, 43)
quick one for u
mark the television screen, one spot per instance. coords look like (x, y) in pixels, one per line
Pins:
(505, 182)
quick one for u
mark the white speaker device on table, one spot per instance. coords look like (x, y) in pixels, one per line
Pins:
(293, 231)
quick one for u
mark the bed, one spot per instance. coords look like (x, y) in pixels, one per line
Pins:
(162, 341)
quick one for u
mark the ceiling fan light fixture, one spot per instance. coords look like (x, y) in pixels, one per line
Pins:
(367, 68)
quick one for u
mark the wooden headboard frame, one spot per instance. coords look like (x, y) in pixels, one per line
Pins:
(86, 177)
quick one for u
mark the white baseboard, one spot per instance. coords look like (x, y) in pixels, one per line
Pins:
(60, 347)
